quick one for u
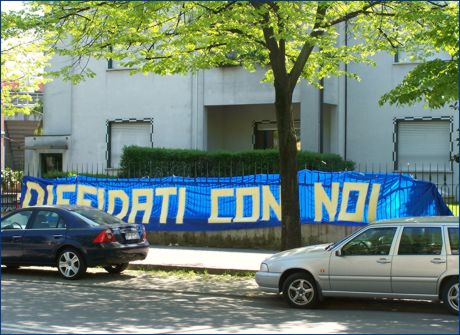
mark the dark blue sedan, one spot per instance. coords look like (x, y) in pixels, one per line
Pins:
(71, 238)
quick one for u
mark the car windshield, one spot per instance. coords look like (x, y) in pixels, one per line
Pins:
(333, 245)
(97, 217)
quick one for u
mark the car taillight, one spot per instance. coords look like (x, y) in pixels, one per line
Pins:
(105, 236)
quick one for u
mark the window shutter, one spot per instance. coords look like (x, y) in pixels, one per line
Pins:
(125, 134)
(423, 143)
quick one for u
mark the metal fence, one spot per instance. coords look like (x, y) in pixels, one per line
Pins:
(442, 176)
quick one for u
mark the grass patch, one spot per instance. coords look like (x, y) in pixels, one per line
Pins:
(194, 274)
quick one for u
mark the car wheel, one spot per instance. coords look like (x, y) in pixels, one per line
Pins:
(300, 290)
(450, 295)
(71, 264)
(116, 268)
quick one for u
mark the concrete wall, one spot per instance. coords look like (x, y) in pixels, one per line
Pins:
(331, 142)
(57, 101)
(309, 117)
(236, 86)
(266, 238)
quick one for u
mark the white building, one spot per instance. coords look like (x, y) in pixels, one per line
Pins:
(229, 108)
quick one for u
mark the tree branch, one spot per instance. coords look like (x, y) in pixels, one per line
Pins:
(282, 42)
(394, 46)
(307, 48)
(276, 61)
(354, 14)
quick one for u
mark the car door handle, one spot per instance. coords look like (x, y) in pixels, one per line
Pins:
(383, 261)
(16, 238)
(58, 236)
(438, 261)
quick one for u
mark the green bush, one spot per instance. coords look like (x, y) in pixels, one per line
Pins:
(11, 178)
(156, 162)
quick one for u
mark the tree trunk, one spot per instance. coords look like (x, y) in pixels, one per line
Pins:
(290, 214)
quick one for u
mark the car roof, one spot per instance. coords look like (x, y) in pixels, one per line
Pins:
(421, 219)
(64, 207)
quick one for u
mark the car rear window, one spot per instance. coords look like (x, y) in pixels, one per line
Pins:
(420, 241)
(453, 239)
(98, 217)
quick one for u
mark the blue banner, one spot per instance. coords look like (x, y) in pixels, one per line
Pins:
(204, 204)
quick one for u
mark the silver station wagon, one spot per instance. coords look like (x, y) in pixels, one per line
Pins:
(408, 258)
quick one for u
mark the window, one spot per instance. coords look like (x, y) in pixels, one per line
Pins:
(17, 221)
(374, 241)
(423, 144)
(47, 220)
(420, 241)
(125, 133)
(453, 240)
(405, 57)
(266, 135)
(95, 217)
(50, 162)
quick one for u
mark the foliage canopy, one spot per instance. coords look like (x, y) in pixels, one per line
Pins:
(433, 81)
(178, 37)
(22, 65)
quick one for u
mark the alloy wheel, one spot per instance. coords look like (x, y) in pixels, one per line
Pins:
(452, 296)
(301, 292)
(69, 264)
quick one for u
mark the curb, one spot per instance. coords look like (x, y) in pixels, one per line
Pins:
(198, 269)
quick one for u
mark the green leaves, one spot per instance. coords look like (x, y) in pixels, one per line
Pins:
(179, 37)
(23, 61)
(434, 82)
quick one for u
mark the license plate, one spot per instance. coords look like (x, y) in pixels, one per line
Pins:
(130, 235)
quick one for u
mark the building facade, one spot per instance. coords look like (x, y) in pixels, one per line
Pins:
(228, 108)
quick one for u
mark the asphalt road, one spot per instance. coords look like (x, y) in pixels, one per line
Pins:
(38, 301)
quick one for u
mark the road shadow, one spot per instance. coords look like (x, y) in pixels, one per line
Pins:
(243, 289)
(40, 305)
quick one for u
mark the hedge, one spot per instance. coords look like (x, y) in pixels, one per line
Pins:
(158, 162)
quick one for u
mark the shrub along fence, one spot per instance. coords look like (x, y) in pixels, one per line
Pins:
(153, 162)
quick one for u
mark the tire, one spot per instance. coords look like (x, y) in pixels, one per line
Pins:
(300, 291)
(116, 268)
(71, 264)
(450, 295)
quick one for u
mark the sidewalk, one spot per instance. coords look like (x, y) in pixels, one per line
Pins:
(212, 260)
(198, 259)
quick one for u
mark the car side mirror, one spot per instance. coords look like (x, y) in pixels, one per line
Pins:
(338, 253)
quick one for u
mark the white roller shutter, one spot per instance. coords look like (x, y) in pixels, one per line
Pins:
(422, 143)
(128, 133)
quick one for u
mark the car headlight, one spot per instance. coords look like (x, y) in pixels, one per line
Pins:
(264, 267)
